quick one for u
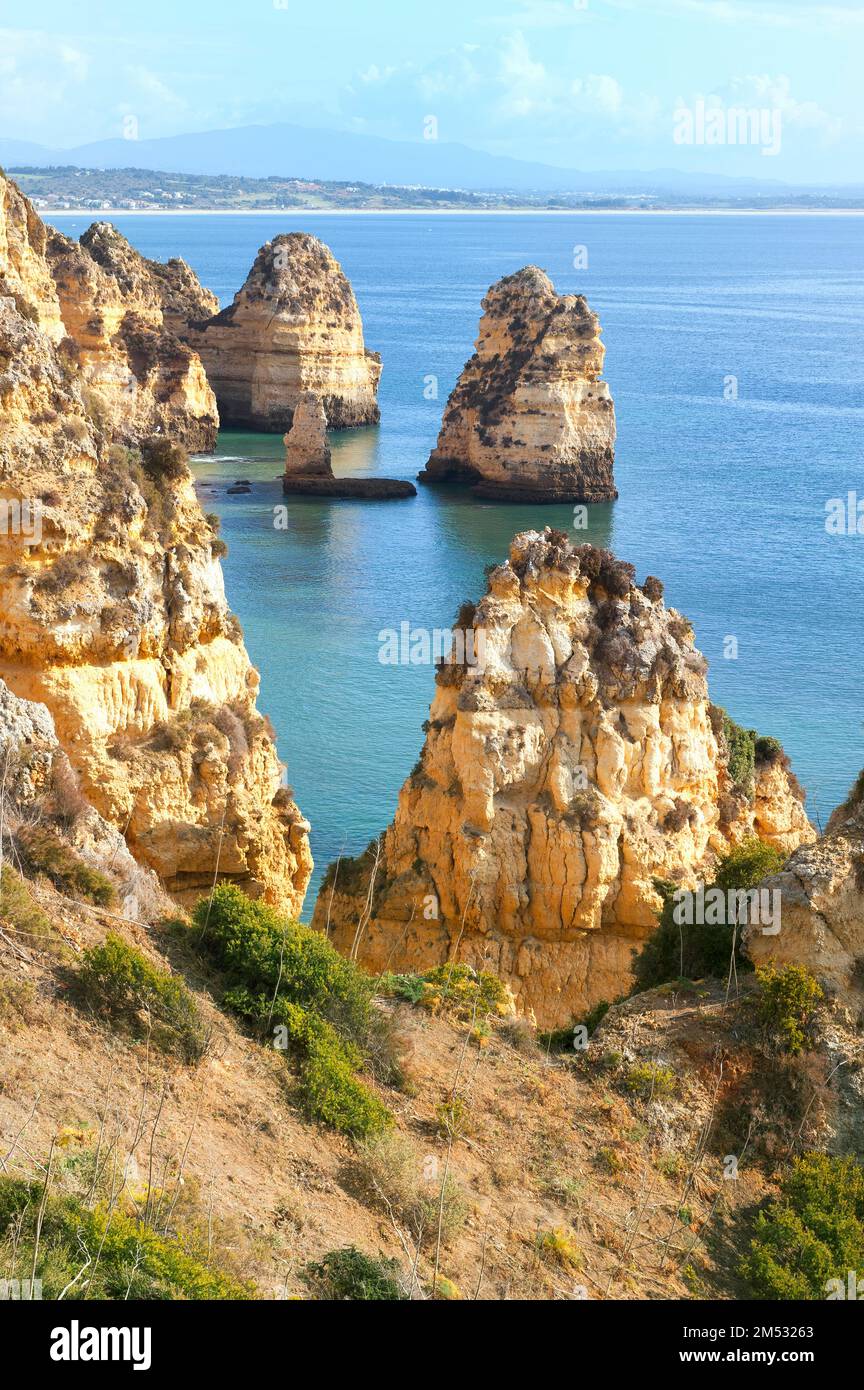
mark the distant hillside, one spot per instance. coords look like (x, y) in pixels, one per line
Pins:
(292, 151)
(137, 190)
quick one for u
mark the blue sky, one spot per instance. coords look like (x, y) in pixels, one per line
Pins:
(582, 86)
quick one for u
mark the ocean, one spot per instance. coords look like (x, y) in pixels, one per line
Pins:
(735, 354)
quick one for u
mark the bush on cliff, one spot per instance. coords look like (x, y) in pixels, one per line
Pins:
(103, 1252)
(349, 1274)
(785, 1005)
(120, 983)
(812, 1235)
(455, 988)
(290, 984)
(693, 951)
(44, 851)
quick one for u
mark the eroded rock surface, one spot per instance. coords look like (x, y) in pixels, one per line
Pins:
(112, 607)
(112, 315)
(822, 906)
(578, 761)
(530, 417)
(307, 451)
(293, 327)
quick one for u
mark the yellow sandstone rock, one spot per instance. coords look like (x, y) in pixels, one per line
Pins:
(112, 606)
(577, 762)
(293, 328)
(530, 418)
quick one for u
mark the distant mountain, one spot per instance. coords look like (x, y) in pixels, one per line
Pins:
(294, 151)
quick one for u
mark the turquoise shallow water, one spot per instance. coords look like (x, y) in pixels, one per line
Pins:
(723, 499)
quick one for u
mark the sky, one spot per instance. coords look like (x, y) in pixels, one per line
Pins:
(595, 84)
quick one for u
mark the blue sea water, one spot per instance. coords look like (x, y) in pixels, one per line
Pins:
(722, 498)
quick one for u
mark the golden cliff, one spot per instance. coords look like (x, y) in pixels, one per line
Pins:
(293, 327)
(112, 608)
(112, 315)
(140, 377)
(575, 761)
(821, 896)
(530, 418)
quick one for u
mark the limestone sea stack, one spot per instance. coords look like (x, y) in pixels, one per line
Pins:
(308, 468)
(113, 614)
(530, 418)
(576, 760)
(307, 450)
(293, 327)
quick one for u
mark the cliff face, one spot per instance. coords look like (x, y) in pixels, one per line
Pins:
(113, 616)
(822, 906)
(293, 327)
(141, 377)
(576, 761)
(530, 418)
(111, 313)
(39, 786)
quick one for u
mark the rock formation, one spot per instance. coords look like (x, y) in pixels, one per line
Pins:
(307, 451)
(109, 311)
(575, 761)
(822, 906)
(142, 378)
(530, 419)
(293, 327)
(39, 785)
(112, 608)
(308, 469)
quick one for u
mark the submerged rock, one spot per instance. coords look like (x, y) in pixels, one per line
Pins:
(293, 327)
(572, 756)
(530, 418)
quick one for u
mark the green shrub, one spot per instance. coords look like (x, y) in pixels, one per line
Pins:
(25, 917)
(741, 745)
(127, 1259)
(747, 864)
(285, 976)
(768, 749)
(812, 1234)
(121, 984)
(651, 1081)
(45, 852)
(681, 951)
(349, 1274)
(410, 988)
(562, 1039)
(455, 987)
(785, 1004)
(162, 458)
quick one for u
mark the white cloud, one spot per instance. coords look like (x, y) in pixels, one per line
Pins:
(785, 15)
